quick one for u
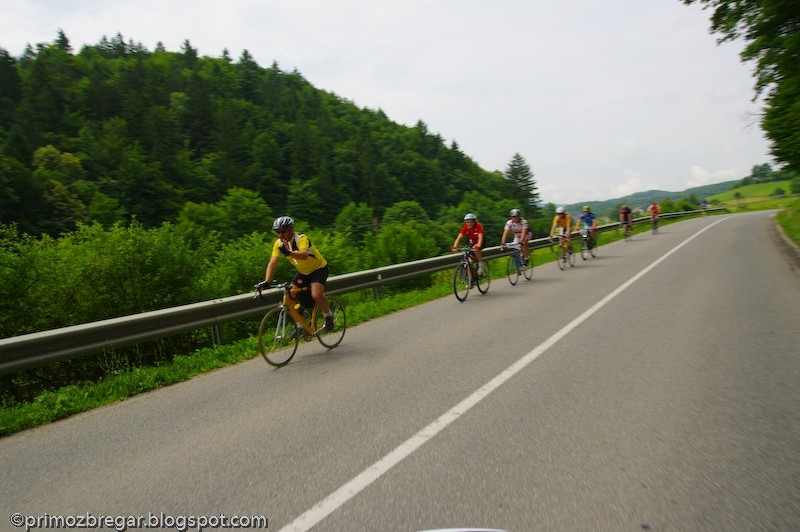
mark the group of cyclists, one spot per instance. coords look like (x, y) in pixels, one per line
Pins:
(517, 226)
(312, 268)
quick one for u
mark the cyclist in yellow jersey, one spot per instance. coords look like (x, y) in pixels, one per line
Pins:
(312, 268)
(562, 221)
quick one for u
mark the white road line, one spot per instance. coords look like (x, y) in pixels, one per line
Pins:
(350, 489)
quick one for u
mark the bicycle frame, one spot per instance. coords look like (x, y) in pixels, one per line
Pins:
(471, 261)
(293, 305)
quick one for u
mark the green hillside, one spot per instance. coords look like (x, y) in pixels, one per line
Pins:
(754, 191)
(642, 199)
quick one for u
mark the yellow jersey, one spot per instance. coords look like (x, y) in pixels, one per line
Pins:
(565, 222)
(300, 241)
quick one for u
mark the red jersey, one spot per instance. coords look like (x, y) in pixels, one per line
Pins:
(472, 232)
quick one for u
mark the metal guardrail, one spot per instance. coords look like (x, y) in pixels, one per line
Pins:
(38, 349)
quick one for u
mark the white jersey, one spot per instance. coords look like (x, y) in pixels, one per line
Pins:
(518, 228)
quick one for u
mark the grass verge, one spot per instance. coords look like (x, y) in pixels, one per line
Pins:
(789, 220)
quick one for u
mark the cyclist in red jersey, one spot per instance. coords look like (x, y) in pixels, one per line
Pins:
(474, 233)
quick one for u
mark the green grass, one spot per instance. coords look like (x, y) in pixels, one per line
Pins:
(789, 220)
(758, 196)
(70, 400)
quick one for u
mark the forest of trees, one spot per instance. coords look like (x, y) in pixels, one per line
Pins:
(116, 133)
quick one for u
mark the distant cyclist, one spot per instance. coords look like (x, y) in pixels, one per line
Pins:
(588, 221)
(626, 217)
(519, 226)
(654, 211)
(563, 223)
(474, 233)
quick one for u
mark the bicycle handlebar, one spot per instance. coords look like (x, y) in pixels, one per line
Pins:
(263, 285)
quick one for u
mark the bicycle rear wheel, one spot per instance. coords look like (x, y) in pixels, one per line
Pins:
(513, 269)
(527, 270)
(277, 338)
(331, 338)
(461, 283)
(483, 282)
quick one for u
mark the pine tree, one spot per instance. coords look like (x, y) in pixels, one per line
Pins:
(522, 187)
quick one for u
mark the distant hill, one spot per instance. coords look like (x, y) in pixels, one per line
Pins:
(642, 199)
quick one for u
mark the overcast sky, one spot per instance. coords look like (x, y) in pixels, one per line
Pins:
(601, 97)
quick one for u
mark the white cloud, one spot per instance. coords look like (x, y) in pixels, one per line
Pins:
(701, 176)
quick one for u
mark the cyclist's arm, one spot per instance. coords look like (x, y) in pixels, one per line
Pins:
(480, 240)
(272, 265)
(458, 239)
(505, 235)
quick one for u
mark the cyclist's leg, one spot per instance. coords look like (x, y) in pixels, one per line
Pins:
(525, 249)
(479, 258)
(318, 278)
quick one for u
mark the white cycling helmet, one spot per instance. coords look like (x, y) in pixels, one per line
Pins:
(282, 223)
(470, 216)
(560, 210)
(515, 213)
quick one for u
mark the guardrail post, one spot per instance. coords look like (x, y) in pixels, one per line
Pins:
(216, 338)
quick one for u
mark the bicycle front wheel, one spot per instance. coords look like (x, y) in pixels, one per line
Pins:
(513, 269)
(461, 282)
(277, 338)
(561, 257)
(333, 337)
(584, 248)
(593, 248)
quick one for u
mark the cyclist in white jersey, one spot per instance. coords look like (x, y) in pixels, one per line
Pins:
(519, 226)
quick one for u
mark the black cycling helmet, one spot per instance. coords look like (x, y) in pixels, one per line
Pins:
(282, 223)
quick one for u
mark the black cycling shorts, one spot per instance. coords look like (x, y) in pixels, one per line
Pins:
(320, 275)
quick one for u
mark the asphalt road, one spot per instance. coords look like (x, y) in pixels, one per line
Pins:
(655, 387)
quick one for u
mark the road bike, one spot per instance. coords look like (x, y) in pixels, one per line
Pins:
(564, 254)
(654, 221)
(282, 327)
(466, 275)
(518, 264)
(626, 231)
(588, 244)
